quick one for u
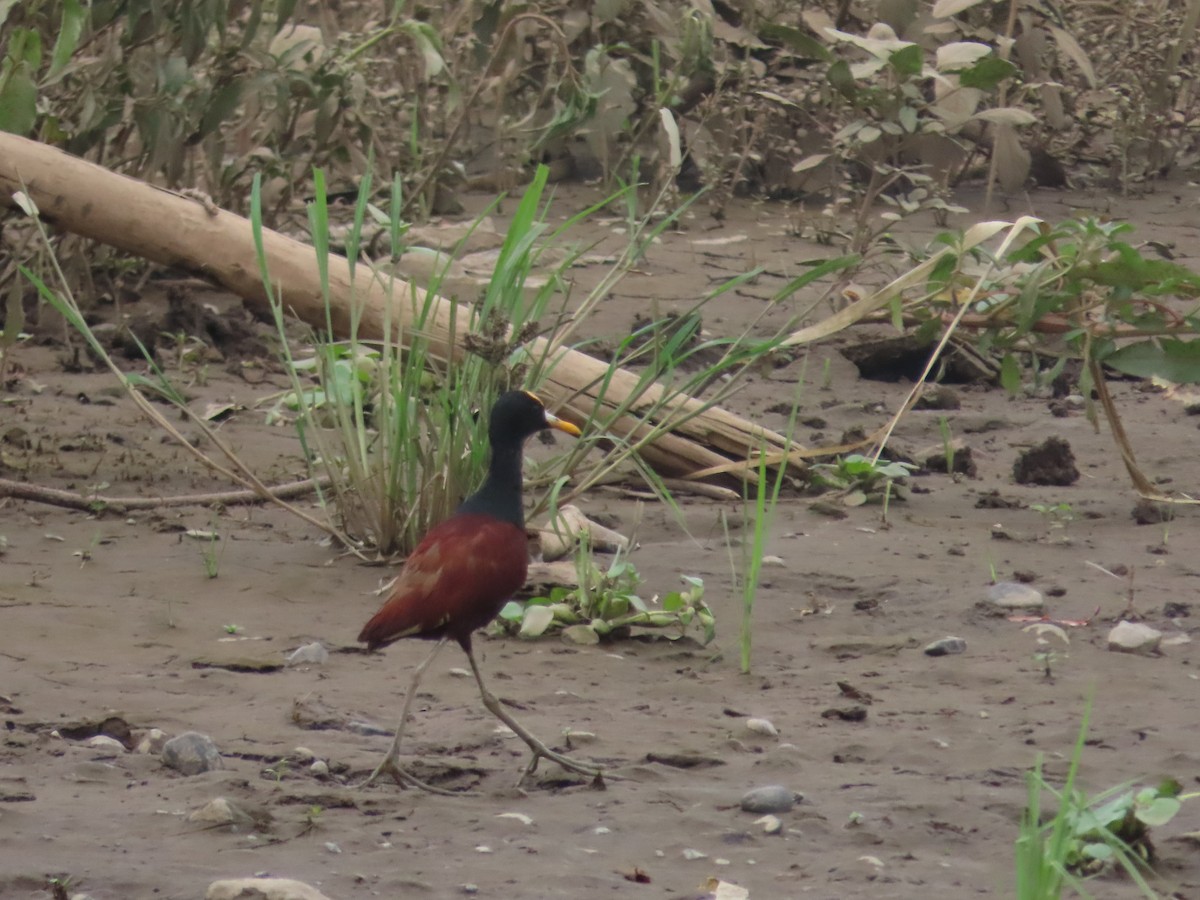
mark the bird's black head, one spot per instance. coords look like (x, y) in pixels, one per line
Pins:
(518, 414)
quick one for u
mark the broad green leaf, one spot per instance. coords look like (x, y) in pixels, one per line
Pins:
(1174, 360)
(840, 78)
(18, 102)
(73, 19)
(908, 61)
(1160, 812)
(512, 611)
(221, 106)
(795, 40)
(536, 620)
(581, 634)
(986, 74)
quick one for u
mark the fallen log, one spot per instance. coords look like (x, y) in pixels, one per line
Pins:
(176, 230)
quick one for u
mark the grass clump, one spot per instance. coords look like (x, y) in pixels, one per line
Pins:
(1088, 835)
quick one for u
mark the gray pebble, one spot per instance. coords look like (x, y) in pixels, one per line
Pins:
(191, 753)
(1011, 595)
(946, 646)
(774, 798)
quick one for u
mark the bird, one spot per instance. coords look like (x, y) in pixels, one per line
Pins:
(463, 572)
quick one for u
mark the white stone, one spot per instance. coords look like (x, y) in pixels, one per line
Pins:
(1134, 637)
(262, 889)
(104, 742)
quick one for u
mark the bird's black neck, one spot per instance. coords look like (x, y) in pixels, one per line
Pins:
(500, 495)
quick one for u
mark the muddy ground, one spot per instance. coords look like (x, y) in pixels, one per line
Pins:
(115, 615)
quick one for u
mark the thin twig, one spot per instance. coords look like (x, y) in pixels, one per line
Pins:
(96, 503)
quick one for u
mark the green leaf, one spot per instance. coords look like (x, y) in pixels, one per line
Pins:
(537, 619)
(1160, 812)
(819, 270)
(73, 19)
(1175, 360)
(222, 105)
(673, 601)
(908, 61)
(987, 73)
(581, 634)
(1010, 375)
(796, 40)
(18, 101)
(512, 611)
(843, 82)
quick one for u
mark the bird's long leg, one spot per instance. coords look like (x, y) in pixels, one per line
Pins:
(539, 749)
(391, 762)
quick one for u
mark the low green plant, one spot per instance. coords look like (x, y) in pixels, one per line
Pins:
(1048, 654)
(606, 605)
(1057, 516)
(394, 423)
(1088, 835)
(861, 479)
(947, 444)
(211, 551)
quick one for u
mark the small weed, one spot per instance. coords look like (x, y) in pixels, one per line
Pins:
(1057, 516)
(606, 605)
(947, 444)
(232, 629)
(861, 479)
(1046, 655)
(1088, 835)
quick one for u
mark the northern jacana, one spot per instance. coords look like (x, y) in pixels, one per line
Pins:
(465, 570)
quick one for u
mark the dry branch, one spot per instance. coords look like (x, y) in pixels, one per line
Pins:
(68, 499)
(178, 231)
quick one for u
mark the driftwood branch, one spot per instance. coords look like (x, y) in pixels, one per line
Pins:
(54, 497)
(179, 231)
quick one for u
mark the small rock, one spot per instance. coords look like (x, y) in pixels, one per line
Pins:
(690, 854)
(320, 768)
(1010, 595)
(333, 847)
(573, 737)
(303, 754)
(104, 742)
(762, 726)
(1075, 401)
(776, 561)
(152, 742)
(223, 811)
(262, 889)
(938, 397)
(313, 654)
(191, 753)
(1134, 637)
(774, 798)
(946, 646)
(770, 824)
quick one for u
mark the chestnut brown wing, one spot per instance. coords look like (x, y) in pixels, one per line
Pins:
(456, 581)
